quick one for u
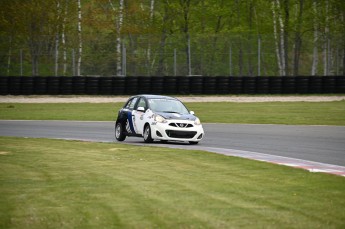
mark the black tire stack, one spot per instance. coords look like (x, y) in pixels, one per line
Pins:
(275, 85)
(183, 85)
(249, 85)
(222, 85)
(170, 85)
(14, 83)
(66, 85)
(79, 85)
(289, 85)
(262, 85)
(91, 87)
(210, 86)
(196, 85)
(302, 85)
(119, 83)
(235, 85)
(4, 85)
(340, 86)
(105, 85)
(144, 85)
(157, 83)
(40, 85)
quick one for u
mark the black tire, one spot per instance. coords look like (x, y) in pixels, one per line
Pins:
(147, 134)
(119, 135)
(193, 143)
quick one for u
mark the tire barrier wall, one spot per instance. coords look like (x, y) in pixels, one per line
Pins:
(173, 85)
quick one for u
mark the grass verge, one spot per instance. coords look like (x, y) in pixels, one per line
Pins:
(290, 113)
(62, 184)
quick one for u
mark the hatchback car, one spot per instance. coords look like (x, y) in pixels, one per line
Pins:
(156, 117)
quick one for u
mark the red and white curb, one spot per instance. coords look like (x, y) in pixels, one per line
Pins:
(311, 166)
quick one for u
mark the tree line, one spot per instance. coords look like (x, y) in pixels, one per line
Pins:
(172, 37)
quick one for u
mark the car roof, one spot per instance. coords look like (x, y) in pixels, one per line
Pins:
(155, 96)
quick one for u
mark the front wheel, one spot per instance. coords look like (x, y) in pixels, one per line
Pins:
(119, 135)
(147, 134)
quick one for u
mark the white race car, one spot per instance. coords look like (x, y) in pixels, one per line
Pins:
(157, 117)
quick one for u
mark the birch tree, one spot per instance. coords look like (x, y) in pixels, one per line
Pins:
(63, 39)
(80, 46)
(118, 25)
(279, 37)
(315, 41)
(326, 43)
(282, 39)
(185, 4)
(165, 26)
(298, 39)
(276, 37)
(152, 7)
(57, 37)
(240, 52)
(343, 22)
(286, 35)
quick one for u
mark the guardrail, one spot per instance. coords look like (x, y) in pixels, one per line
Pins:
(180, 85)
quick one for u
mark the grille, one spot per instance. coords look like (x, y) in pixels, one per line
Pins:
(180, 134)
(181, 125)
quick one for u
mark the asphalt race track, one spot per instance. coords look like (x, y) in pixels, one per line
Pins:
(325, 144)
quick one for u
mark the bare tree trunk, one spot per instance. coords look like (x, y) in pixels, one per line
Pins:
(325, 44)
(57, 38)
(282, 43)
(80, 48)
(240, 51)
(34, 44)
(343, 57)
(160, 69)
(276, 38)
(34, 57)
(9, 57)
(185, 6)
(250, 67)
(63, 40)
(150, 65)
(343, 44)
(286, 36)
(217, 29)
(118, 25)
(240, 59)
(119, 40)
(315, 49)
(57, 41)
(298, 39)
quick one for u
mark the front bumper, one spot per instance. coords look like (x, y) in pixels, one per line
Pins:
(177, 130)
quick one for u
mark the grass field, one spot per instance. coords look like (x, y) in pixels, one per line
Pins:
(290, 113)
(69, 184)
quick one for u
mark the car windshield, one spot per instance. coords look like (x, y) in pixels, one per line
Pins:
(167, 106)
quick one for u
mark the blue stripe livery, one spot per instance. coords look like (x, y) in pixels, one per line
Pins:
(130, 121)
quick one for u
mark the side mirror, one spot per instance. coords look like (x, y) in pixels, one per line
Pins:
(192, 112)
(142, 109)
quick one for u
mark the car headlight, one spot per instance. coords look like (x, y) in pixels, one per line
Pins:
(160, 119)
(197, 121)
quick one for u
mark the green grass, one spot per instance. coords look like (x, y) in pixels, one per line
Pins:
(70, 184)
(291, 113)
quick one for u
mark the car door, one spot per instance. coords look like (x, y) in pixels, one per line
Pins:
(139, 116)
(128, 113)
